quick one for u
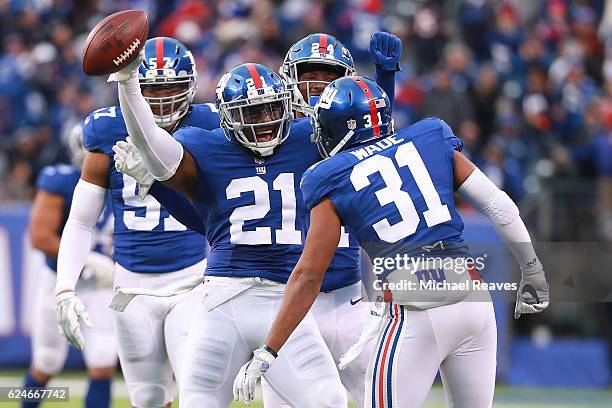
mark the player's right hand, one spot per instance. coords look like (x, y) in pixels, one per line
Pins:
(69, 310)
(128, 161)
(130, 71)
(246, 379)
(533, 293)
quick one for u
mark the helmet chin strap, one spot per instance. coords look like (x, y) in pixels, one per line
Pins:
(341, 143)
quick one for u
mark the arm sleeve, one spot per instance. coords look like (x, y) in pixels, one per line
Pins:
(386, 80)
(87, 205)
(160, 152)
(179, 206)
(487, 198)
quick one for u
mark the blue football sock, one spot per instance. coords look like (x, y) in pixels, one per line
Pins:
(31, 382)
(98, 394)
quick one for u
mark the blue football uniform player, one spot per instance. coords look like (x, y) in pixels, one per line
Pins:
(55, 187)
(395, 191)
(242, 182)
(309, 66)
(152, 249)
(337, 312)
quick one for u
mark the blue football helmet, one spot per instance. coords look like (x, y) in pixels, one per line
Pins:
(351, 110)
(255, 107)
(168, 63)
(317, 52)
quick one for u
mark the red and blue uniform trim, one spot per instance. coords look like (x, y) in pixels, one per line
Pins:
(323, 44)
(382, 377)
(159, 52)
(371, 105)
(255, 75)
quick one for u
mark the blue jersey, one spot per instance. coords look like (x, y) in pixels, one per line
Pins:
(253, 210)
(61, 180)
(146, 238)
(396, 194)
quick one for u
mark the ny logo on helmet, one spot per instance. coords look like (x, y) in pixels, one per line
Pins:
(327, 97)
(221, 85)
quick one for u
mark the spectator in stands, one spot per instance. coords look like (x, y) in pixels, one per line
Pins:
(445, 102)
(598, 153)
(484, 94)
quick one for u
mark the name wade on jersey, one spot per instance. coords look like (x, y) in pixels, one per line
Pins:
(369, 150)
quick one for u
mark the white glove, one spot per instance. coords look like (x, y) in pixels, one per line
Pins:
(100, 267)
(247, 377)
(532, 295)
(69, 309)
(128, 161)
(130, 71)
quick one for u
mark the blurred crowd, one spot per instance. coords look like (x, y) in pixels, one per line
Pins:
(527, 85)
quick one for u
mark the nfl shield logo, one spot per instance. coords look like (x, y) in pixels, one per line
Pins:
(351, 123)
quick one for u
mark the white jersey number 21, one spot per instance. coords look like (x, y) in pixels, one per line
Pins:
(288, 234)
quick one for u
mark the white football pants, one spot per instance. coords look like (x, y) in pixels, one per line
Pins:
(233, 320)
(151, 331)
(50, 348)
(460, 339)
(340, 316)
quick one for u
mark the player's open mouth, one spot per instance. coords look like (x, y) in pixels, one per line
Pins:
(265, 135)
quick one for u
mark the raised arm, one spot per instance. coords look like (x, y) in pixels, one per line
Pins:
(486, 197)
(162, 154)
(386, 51)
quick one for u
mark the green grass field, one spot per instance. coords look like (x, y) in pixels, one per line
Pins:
(505, 397)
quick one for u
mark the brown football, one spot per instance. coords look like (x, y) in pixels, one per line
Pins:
(115, 41)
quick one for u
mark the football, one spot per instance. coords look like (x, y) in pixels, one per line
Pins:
(114, 42)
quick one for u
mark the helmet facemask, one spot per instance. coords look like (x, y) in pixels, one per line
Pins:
(259, 122)
(168, 110)
(303, 90)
